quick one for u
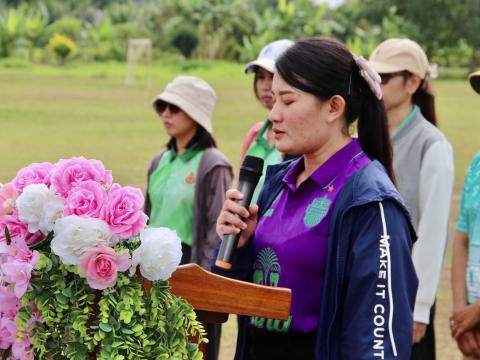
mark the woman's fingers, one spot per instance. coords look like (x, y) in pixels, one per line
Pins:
(234, 194)
(235, 208)
(230, 221)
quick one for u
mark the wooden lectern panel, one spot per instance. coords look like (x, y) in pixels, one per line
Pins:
(210, 292)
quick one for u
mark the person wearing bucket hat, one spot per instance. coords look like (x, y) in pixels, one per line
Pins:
(187, 180)
(259, 139)
(465, 318)
(423, 165)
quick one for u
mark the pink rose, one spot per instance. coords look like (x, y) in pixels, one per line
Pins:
(8, 195)
(18, 230)
(100, 266)
(35, 173)
(8, 333)
(123, 211)
(86, 199)
(70, 173)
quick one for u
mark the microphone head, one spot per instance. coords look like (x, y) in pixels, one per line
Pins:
(251, 169)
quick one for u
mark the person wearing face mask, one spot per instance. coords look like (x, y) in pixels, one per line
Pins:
(330, 224)
(423, 165)
(187, 180)
(259, 140)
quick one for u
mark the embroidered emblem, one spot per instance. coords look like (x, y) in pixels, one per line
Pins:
(316, 211)
(190, 178)
(267, 272)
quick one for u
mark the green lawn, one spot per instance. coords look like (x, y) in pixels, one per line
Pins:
(48, 113)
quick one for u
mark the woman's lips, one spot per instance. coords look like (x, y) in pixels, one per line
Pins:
(277, 134)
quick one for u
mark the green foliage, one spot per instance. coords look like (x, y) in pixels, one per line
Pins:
(68, 26)
(237, 29)
(185, 39)
(62, 46)
(118, 323)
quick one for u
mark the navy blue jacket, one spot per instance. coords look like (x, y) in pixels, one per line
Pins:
(370, 282)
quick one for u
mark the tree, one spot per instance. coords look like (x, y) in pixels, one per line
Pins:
(185, 39)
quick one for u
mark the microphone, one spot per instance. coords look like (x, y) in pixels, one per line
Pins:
(250, 173)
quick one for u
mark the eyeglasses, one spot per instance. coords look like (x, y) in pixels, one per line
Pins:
(388, 76)
(161, 106)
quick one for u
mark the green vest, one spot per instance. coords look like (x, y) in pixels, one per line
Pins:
(172, 190)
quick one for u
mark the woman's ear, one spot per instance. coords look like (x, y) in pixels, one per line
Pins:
(413, 83)
(337, 107)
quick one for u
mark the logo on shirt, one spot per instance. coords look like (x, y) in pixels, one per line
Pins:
(316, 211)
(190, 178)
(266, 271)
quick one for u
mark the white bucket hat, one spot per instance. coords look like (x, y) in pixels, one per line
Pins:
(269, 55)
(193, 96)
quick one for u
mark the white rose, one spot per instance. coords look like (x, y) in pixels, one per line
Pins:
(39, 207)
(75, 234)
(52, 211)
(159, 253)
(30, 205)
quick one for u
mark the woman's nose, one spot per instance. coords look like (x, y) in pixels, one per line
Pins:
(274, 115)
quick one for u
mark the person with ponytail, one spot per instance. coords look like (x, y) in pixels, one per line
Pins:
(423, 165)
(330, 224)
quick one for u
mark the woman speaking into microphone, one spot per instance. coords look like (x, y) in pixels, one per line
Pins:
(329, 225)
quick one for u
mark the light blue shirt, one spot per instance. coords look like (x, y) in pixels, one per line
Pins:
(469, 223)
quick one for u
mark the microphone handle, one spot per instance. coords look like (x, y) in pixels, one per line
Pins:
(230, 242)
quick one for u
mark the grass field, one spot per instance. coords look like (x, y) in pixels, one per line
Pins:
(49, 113)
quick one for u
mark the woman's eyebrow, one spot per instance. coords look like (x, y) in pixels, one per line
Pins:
(283, 92)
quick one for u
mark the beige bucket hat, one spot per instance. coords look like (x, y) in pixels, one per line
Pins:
(396, 54)
(193, 96)
(475, 81)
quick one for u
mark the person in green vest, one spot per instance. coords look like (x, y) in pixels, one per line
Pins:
(188, 179)
(259, 140)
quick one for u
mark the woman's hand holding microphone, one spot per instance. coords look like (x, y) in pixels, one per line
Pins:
(230, 221)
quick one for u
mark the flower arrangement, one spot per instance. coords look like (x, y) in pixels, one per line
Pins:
(72, 243)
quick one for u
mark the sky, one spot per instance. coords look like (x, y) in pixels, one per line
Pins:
(332, 3)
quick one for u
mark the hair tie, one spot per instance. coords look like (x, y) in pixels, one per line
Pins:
(370, 76)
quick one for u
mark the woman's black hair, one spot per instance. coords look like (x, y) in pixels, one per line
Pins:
(426, 102)
(325, 67)
(423, 98)
(201, 140)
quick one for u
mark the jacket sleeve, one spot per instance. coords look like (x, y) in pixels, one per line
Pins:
(219, 181)
(376, 313)
(435, 195)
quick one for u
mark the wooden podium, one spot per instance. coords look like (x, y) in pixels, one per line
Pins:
(214, 296)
